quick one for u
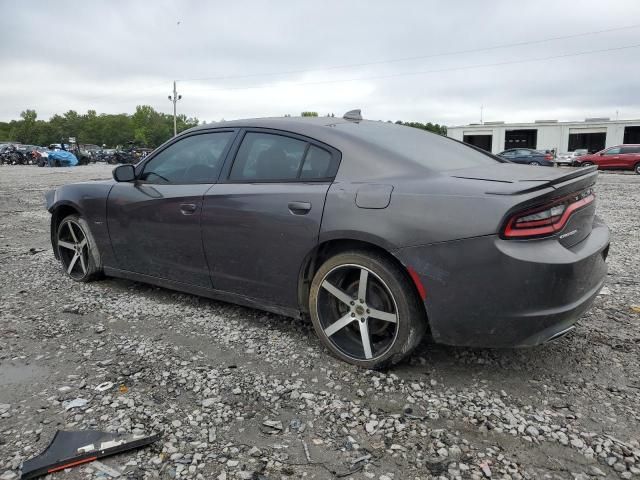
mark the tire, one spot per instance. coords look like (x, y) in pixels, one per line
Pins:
(391, 313)
(80, 259)
(637, 168)
(586, 164)
(534, 163)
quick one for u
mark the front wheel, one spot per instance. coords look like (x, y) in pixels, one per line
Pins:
(365, 310)
(77, 249)
(586, 164)
(637, 168)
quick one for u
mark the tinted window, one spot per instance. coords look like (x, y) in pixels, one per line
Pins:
(317, 164)
(630, 150)
(418, 146)
(509, 153)
(526, 153)
(195, 159)
(268, 157)
(613, 151)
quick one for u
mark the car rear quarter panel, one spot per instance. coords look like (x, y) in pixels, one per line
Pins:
(420, 212)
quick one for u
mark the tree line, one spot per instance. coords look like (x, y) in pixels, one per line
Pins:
(146, 127)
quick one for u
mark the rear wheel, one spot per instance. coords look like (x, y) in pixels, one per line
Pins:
(534, 163)
(586, 164)
(637, 168)
(364, 309)
(77, 249)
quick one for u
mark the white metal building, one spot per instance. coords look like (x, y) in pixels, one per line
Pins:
(593, 134)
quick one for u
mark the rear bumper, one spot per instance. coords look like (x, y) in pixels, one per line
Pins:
(489, 292)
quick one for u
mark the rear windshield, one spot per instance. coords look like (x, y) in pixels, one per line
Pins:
(419, 146)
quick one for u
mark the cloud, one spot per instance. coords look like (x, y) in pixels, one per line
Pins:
(112, 55)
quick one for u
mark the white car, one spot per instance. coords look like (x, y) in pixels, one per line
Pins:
(566, 159)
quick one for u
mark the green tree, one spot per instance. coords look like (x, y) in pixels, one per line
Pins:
(430, 127)
(146, 127)
(309, 114)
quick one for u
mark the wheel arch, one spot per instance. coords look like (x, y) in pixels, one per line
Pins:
(59, 211)
(328, 248)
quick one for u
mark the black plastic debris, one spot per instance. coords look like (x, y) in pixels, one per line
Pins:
(68, 449)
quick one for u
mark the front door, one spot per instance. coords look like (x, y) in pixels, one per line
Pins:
(610, 158)
(154, 221)
(260, 222)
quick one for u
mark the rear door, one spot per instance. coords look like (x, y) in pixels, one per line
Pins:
(154, 222)
(263, 217)
(629, 156)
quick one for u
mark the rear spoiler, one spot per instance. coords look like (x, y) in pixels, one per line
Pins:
(587, 176)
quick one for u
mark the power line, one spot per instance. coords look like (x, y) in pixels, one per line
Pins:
(379, 62)
(418, 57)
(426, 72)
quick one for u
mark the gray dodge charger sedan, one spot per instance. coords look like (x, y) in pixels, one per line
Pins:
(376, 231)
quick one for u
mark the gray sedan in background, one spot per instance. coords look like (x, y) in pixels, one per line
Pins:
(377, 232)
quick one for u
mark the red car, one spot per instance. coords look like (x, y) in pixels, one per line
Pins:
(620, 157)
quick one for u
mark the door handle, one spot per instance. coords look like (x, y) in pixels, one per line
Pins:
(299, 208)
(188, 208)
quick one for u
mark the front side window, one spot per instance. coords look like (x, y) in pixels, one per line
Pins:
(268, 157)
(194, 159)
(613, 151)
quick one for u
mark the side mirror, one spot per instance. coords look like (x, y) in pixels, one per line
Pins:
(601, 153)
(124, 173)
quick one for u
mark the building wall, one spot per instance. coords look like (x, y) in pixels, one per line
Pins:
(550, 135)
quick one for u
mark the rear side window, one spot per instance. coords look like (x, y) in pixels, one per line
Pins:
(317, 164)
(630, 150)
(267, 157)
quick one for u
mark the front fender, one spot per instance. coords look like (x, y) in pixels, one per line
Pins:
(88, 200)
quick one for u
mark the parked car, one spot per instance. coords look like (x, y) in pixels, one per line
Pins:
(376, 231)
(567, 159)
(620, 157)
(528, 156)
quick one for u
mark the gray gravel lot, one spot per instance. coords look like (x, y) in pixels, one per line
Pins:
(242, 394)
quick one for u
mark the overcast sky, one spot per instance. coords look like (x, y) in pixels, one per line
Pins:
(266, 58)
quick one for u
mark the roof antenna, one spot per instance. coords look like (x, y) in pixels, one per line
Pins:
(355, 115)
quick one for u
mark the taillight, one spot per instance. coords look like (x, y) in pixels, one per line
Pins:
(547, 219)
(548, 156)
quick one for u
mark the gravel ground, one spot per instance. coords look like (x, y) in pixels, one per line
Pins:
(242, 394)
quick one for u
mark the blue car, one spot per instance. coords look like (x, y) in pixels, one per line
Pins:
(528, 156)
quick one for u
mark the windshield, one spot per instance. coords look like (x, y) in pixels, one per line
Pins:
(419, 146)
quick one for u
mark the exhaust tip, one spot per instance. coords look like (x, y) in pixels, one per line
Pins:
(561, 334)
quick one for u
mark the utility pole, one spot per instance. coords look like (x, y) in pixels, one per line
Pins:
(175, 99)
